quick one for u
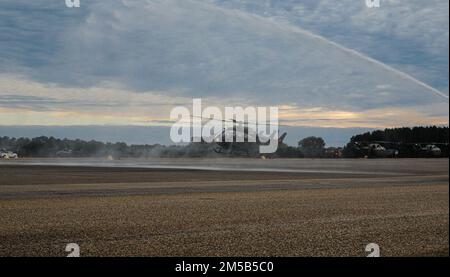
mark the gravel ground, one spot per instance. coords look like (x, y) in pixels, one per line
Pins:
(339, 219)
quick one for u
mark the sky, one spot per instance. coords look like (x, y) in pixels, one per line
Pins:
(324, 63)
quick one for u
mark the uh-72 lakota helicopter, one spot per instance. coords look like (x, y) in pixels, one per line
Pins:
(235, 140)
(392, 149)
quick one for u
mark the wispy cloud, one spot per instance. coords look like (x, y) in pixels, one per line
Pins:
(412, 36)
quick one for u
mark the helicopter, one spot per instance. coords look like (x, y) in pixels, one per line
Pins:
(376, 149)
(4, 154)
(235, 140)
(429, 150)
(391, 149)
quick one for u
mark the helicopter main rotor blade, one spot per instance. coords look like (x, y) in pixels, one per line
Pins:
(235, 121)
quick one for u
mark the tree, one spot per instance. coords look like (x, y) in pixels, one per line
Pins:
(312, 147)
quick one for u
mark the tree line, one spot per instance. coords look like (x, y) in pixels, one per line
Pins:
(405, 140)
(409, 142)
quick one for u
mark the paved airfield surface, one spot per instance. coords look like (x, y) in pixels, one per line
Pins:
(224, 207)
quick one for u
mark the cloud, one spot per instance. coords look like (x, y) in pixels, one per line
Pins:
(28, 102)
(176, 50)
(412, 36)
(24, 102)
